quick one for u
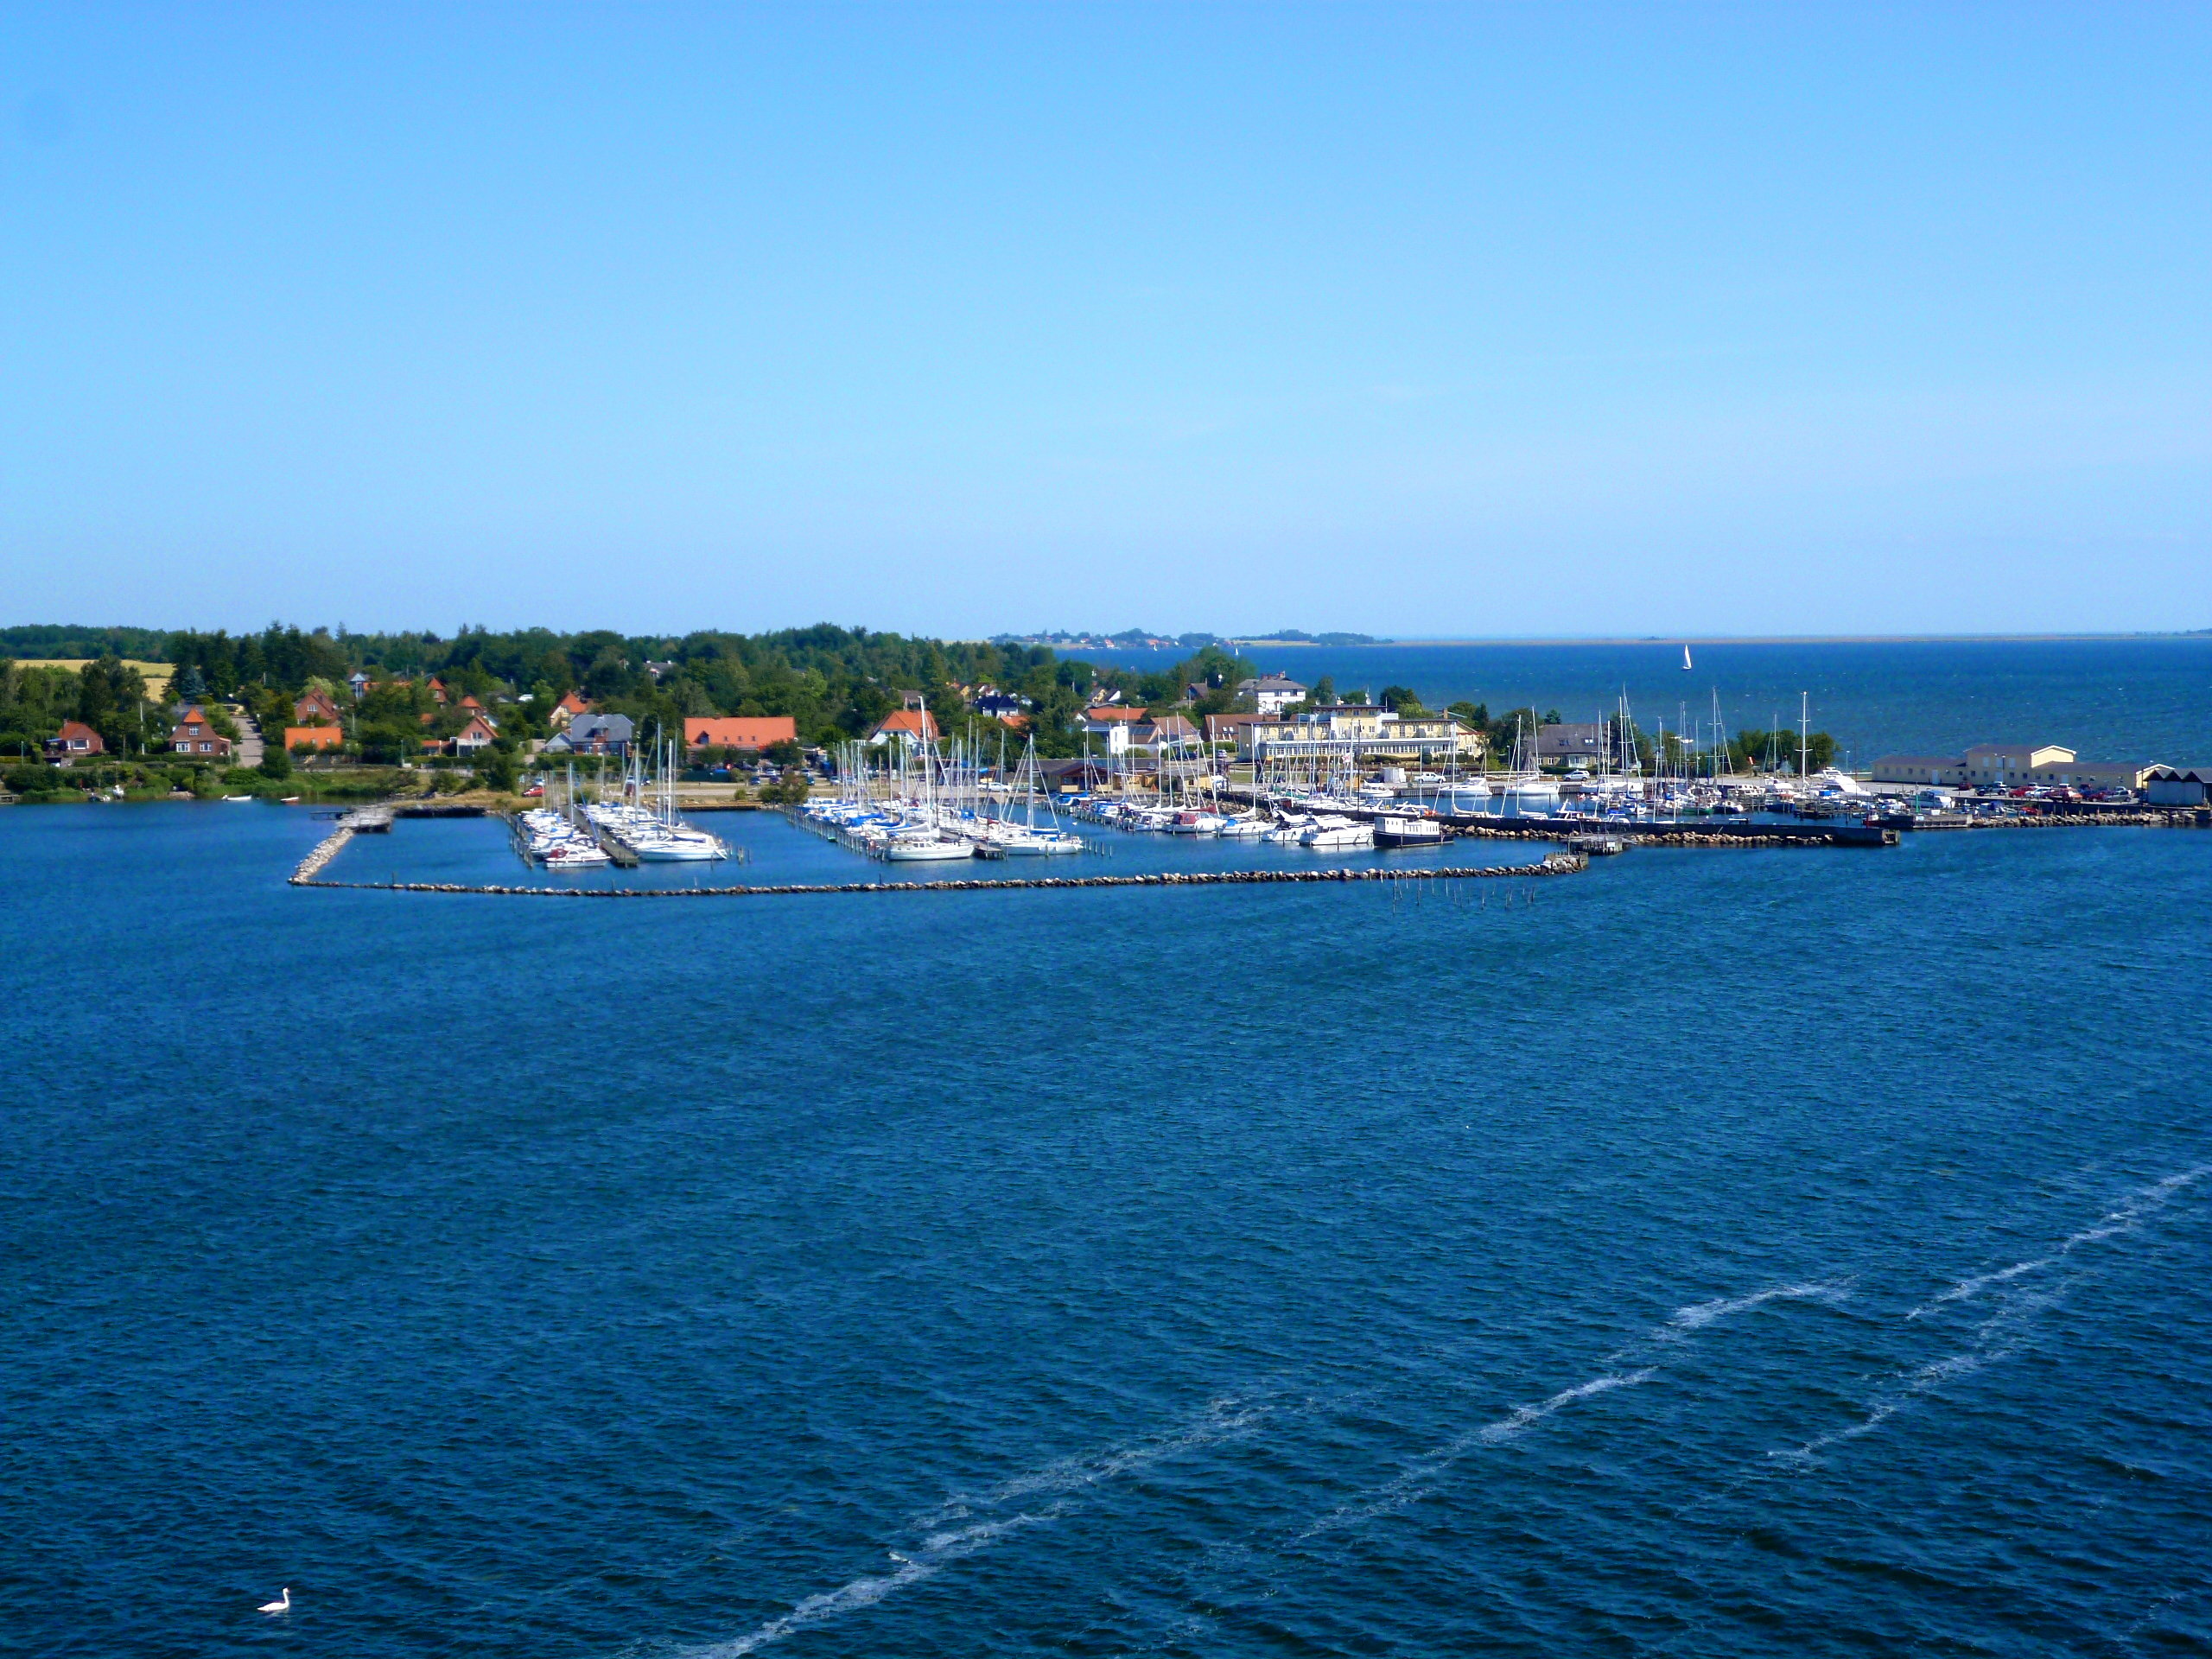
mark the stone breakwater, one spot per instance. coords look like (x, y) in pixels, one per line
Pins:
(326, 849)
(1557, 864)
(1662, 835)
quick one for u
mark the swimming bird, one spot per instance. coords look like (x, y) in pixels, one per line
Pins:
(282, 1606)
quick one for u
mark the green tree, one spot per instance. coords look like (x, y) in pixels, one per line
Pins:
(274, 763)
(497, 769)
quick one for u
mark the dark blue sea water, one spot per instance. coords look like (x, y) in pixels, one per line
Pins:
(2146, 699)
(1731, 1252)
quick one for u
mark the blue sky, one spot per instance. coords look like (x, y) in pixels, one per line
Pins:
(1427, 322)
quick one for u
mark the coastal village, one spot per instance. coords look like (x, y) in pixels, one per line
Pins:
(1181, 741)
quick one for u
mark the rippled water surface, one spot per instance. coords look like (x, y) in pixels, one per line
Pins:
(1728, 1252)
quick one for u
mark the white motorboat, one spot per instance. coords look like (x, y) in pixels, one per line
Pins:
(1338, 835)
(574, 855)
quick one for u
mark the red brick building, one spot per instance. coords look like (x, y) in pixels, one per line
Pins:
(74, 741)
(194, 736)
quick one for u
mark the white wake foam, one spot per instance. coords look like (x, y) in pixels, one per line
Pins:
(1417, 1481)
(1698, 1315)
(1524, 1418)
(1980, 1282)
(2126, 1217)
(1222, 1419)
(936, 1551)
(2011, 1325)
(1065, 1478)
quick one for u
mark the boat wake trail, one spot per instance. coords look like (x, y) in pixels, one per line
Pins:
(1417, 1479)
(1063, 1480)
(2012, 1324)
(1221, 1419)
(1419, 1476)
(936, 1551)
(2127, 1215)
(1700, 1314)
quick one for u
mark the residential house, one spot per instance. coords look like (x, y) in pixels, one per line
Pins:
(912, 725)
(437, 690)
(477, 734)
(1271, 693)
(194, 735)
(1572, 744)
(989, 700)
(1235, 730)
(1112, 723)
(568, 709)
(1166, 732)
(315, 707)
(74, 741)
(360, 682)
(594, 734)
(739, 731)
(317, 738)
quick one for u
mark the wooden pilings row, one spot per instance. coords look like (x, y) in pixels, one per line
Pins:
(1556, 864)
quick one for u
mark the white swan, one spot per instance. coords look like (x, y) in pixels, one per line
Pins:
(282, 1606)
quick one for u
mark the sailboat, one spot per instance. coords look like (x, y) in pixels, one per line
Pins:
(1686, 659)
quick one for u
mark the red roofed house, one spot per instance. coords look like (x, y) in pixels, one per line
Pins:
(739, 731)
(477, 734)
(73, 739)
(913, 725)
(192, 734)
(313, 737)
(568, 709)
(437, 689)
(313, 706)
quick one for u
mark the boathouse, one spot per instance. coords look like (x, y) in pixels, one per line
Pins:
(2178, 787)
